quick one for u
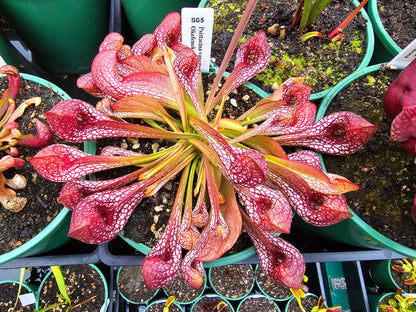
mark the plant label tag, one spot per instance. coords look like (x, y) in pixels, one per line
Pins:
(2, 62)
(405, 57)
(197, 25)
(27, 299)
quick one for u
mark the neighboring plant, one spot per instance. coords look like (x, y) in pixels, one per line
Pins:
(399, 303)
(234, 173)
(10, 136)
(60, 281)
(400, 105)
(168, 303)
(308, 10)
(216, 306)
(407, 268)
(320, 307)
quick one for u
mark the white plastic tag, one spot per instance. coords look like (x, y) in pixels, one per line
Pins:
(197, 24)
(27, 299)
(405, 57)
(2, 62)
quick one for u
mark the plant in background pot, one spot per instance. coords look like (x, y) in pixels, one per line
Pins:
(212, 303)
(41, 224)
(215, 158)
(322, 62)
(390, 275)
(73, 288)
(392, 302)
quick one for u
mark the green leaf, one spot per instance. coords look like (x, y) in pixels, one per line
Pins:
(317, 8)
(60, 281)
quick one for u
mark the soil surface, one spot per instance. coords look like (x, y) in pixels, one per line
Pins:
(321, 61)
(385, 172)
(131, 284)
(232, 281)
(308, 303)
(258, 304)
(41, 208)
(183, 292)
(84, 286)
(396, 17)
(8, 295)
(269, 288)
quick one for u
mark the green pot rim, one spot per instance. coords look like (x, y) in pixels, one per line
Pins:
(257, 296)
(104, 307)
(30, 288)
(267, 295)
(364, 63)
(63, 214)
(253, 282)
(127, 299)
(163, 301)
(213, 296)
(383, 241)
(380, 31)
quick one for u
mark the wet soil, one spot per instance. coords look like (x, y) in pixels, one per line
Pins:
(8, 295)
(308, 303)
(182, 291)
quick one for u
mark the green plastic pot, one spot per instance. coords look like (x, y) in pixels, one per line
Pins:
(364, 63)
(145, 15)
(220, 298)
(381, 275)
(63, 35)
(257, 296)
(55, 233)
(6, 54)
(130, 300)
(353, 231)
(391, 46)
(162, 302)
(104, 307)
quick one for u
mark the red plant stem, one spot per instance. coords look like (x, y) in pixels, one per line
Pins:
(347, 20)
(234, 41)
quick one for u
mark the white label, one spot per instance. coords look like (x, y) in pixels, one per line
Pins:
(27, 299)
(405, 57)
(2, 62)
(197, 24)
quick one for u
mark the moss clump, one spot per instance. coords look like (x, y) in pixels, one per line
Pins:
(323, 63)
